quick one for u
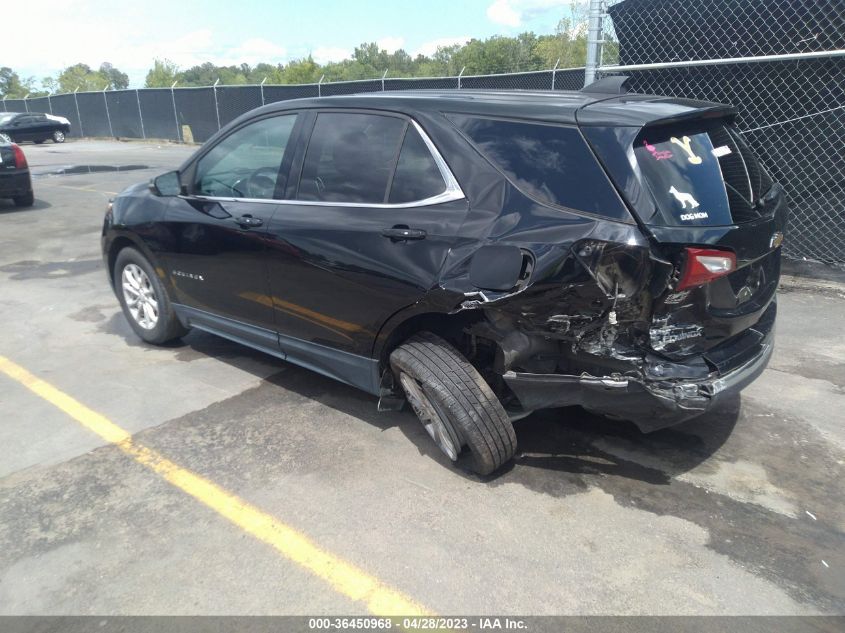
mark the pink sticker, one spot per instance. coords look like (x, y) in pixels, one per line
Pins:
(658, 154)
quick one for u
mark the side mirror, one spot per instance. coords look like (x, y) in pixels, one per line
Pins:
(167, 184)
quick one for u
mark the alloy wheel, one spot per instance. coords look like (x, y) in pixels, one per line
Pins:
(140, 297)
(432, 417)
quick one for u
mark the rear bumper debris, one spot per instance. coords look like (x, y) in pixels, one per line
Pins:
(650, 404)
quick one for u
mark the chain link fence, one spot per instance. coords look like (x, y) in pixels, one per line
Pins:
(781, 63)
(163, 113)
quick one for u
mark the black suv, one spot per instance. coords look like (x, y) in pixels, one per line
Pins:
(479, 254)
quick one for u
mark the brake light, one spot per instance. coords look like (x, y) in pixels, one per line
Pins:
(20, 159)
(703, 265)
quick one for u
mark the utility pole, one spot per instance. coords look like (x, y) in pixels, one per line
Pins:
(594, 41)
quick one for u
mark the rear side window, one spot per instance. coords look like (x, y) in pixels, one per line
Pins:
(417, 176)
(350, 157)
(549, 162)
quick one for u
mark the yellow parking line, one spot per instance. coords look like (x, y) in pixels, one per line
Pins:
(343, 577)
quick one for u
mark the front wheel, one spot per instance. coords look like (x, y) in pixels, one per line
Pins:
(144, 300)
(5, 138)
(457, 407)
(58, 136)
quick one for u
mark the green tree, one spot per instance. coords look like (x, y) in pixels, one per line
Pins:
(162, 74)
(116, 79)
(81, 77)
(302, 71)
(13, 87)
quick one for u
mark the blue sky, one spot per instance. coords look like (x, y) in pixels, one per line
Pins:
(131, 34)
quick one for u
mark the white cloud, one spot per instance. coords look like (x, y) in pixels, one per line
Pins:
(512, 13)
(430, 47)
(391, 44)
(255, 50)
(326, 54)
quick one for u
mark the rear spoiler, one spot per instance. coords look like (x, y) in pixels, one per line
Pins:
(640, 110)
(716, 111)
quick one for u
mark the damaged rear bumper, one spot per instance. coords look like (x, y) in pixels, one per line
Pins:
(651, 405)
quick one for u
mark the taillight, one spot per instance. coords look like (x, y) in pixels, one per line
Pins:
(703, 265)
(20, 159)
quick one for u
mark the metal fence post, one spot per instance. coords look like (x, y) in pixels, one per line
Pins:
(554, 72)
(140, 114)
(175, 115)
(49, 103)
(108, 116)
(25, 104)
(4, 104)
(262, 90)
(216, 107)
(382, 80)
(319, 83)
(594, 41)
(460, 74)
(78, 115)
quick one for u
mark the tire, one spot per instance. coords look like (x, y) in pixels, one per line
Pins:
(454, 403)
(5, 137)
(26, 200)
(58, 136)
(133, 269)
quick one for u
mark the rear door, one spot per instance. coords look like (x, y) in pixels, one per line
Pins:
(696, 183)
(370, 217)
(217, 232)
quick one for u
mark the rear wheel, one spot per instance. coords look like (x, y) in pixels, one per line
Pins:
(144, 300)
(58, 136)
(457, 407)
(26, 200)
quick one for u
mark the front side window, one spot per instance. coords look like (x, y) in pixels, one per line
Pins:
(246, 163)
(350, 157)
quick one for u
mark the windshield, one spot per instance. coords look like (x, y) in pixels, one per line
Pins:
(701, 176)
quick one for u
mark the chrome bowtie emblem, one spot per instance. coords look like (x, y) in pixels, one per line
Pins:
(777, 240)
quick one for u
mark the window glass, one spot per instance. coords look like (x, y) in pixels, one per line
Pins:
(549, 162)
(350, 157)
(246, 163)
(417, 176)
(701, 175)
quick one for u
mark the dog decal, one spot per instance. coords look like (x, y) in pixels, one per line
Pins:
(684, 198)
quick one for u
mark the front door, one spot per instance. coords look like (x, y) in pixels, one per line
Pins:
(216, 234)
(363, 234)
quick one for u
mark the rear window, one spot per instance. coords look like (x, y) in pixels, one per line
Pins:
(551, 163)
(705, 176)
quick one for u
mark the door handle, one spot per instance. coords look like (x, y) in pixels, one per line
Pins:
(399, 233)
(249, 221)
